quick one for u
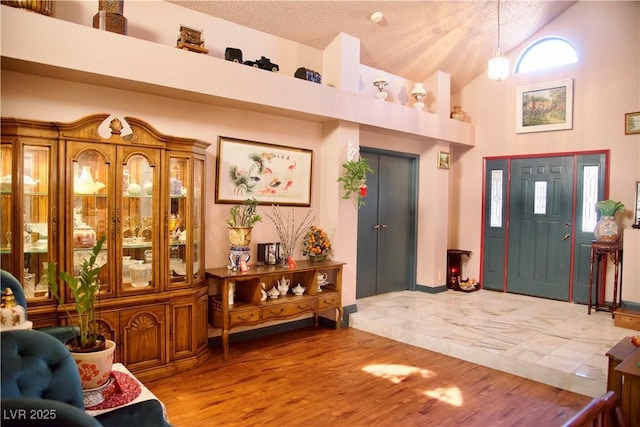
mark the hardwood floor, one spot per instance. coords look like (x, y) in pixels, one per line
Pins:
(321, 377)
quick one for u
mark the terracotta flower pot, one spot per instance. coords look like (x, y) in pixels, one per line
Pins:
(95, 367)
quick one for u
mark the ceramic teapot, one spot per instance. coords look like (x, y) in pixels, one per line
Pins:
(322, 278)
(274, 293)
(299, 290)
(283, 285)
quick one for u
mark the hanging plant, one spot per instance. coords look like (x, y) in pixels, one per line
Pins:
(354, 181)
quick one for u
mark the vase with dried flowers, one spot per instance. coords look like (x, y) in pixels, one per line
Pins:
(289, 232)
(316, 244)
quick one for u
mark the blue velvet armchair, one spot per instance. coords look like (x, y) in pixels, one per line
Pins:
(41, 387)
(8, 280)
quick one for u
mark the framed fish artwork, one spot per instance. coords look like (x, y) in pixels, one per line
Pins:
(272, 174)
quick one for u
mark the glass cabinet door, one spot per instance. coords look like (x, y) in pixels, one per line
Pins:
(91, 212)
(177, 214)
(138, 222)
(198, 213)
(8, 204)
(38, 226)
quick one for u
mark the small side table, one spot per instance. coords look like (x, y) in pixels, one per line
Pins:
(145, 394)
(599, 252)
(454, 266)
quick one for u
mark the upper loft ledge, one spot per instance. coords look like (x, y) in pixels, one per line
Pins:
(86, 55)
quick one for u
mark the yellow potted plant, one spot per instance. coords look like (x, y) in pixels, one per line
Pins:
(241, 222)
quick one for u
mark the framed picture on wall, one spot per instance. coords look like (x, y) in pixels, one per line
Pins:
(270, 173)
(632, 123)
(544, 107)
(444, 160)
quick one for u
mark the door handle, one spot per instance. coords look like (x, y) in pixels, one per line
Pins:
(567, 225)
(376, 226)
(383, 225)
(565, 237)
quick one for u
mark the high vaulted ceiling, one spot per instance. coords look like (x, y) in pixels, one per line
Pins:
(414, 38)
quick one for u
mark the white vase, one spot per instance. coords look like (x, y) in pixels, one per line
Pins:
(85, 184)
(95, 367)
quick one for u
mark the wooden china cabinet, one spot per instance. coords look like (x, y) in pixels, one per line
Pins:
(142, 190)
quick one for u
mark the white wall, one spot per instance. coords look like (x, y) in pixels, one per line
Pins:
(606, 86)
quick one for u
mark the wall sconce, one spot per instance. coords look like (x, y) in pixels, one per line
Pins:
(381, 82)
(418, 94)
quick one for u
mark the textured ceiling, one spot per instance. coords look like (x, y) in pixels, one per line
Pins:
(413, 40)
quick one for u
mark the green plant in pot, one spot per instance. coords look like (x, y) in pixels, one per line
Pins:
(354, 181)
(241, 221)
(607, 228)
(93, 352)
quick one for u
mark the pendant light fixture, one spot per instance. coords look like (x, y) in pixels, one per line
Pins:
(499, 64)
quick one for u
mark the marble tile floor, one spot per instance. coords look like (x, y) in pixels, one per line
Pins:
(552, 342)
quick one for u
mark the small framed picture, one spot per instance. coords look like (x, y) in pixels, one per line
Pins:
(444, 160)
(632, 123)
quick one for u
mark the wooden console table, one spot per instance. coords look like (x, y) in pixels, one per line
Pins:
(249, 307)
(599, 253)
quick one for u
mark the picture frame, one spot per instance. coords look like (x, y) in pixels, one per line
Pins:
(272, 174)
(632, 123)
(544, 106)
(444, 160)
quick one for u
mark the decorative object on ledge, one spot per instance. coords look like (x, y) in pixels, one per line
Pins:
(263, 63)
(270, 173)
(418, 94)
(110, 17)
(458, 114)
(498, 68)
(381, 82)
(43, 7)
(632, 123)
(233, 54)
(191, 39)
(444, 160)
(309, 75)
(607, 228)
(544, 106)
(289, 232)
(316, 244)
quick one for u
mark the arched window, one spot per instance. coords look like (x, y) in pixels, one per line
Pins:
(546, 53)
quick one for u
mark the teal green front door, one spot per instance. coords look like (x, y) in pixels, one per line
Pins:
(540, 223)
(539, 219)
